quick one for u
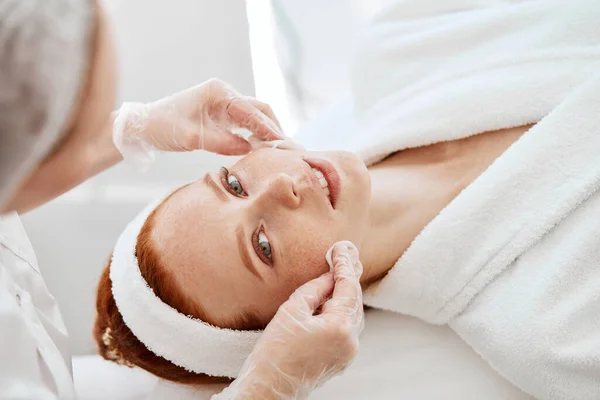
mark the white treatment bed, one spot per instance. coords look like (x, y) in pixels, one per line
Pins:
(400, 358)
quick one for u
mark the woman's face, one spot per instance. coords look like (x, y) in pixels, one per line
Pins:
(242, 240)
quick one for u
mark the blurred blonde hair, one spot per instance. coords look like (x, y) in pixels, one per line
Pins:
(45, 48)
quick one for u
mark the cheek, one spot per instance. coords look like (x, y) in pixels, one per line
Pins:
(307, 263)
(305, 248)
(304, 261)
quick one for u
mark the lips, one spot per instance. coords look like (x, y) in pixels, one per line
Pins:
(328, 173)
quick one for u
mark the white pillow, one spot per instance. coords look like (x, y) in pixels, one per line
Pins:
(98, 379)
(400, 357)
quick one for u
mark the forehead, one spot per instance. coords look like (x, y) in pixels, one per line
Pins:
(194, 234)
(190, 227)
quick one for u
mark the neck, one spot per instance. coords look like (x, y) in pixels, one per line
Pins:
(410, 188)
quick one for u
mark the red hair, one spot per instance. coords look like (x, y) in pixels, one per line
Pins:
(115, 340)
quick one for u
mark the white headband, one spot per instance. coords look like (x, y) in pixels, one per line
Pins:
(185, 341)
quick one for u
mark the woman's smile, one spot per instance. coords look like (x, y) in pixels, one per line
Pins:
(326, 177)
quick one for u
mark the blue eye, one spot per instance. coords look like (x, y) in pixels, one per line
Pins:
(231, 183)
(264, 246)
(235, 185)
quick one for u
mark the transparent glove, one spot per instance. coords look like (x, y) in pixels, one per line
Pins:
(310, 339)
(201, 117)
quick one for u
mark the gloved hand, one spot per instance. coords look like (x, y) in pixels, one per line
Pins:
(200, 117)
(299, 350)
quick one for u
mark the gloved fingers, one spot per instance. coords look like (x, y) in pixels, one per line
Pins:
(267, 110)
(226, 143)
(344, 248)
(216, 139)
(310, 296)
(346, 311)
(285, 144)
(347, 293)
(245, 115)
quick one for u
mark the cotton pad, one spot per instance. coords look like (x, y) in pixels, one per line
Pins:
(256, 143)
(352, 252)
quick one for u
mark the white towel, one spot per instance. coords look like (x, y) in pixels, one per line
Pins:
(426, 74)
(512, 263)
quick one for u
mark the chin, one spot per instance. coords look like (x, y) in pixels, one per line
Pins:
(356, 181)
(355, 169)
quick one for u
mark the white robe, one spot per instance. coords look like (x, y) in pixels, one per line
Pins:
(512, 263)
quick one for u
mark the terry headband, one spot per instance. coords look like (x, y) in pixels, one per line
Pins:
(183, 340)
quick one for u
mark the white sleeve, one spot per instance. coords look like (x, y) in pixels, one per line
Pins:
(23, 372)
(538, 323)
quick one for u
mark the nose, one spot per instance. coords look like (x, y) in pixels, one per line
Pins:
(279, 191)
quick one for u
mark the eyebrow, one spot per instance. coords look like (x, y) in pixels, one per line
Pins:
(218, 189)
(246, 259)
